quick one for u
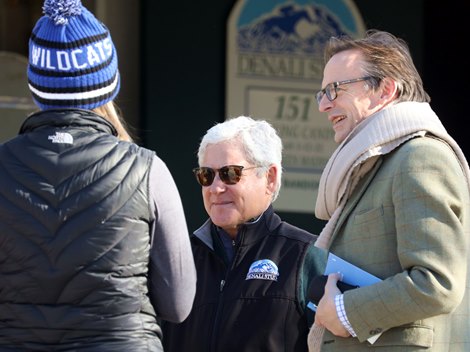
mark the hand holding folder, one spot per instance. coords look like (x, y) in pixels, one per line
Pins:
(352, 277)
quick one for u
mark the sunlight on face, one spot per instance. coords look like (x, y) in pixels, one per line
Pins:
(354, 102)
(231, 205)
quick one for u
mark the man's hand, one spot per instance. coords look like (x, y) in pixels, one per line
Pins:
(326, 310)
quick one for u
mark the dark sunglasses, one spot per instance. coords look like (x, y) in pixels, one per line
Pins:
(229, 174)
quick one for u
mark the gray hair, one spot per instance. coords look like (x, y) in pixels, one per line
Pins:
(261, 144)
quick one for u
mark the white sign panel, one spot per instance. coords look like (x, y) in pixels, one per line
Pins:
(274, 68)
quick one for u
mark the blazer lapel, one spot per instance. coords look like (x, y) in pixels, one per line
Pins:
(356, 195)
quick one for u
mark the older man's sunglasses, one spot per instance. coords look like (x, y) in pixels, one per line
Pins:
(229, 174)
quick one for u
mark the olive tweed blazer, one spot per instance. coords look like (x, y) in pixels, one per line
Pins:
(408, 222)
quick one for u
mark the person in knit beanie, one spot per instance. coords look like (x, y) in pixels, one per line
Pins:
(73, 62)
(94, 246)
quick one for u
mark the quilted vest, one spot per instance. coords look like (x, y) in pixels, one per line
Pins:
(74, 238)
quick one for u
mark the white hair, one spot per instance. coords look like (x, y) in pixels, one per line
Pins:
(260, 142)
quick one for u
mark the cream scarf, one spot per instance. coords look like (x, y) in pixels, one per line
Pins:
(356, 155)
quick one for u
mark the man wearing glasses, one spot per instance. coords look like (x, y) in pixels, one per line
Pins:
(253, 269)
(396, 196)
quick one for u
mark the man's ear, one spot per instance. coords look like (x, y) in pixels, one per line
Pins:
(271, 176)
(388, 88)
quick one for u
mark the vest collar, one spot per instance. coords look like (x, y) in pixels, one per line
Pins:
(67, 117)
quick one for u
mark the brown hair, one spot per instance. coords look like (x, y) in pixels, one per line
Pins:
(385, 56)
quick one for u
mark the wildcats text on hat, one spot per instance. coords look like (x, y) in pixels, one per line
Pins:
(77, 59)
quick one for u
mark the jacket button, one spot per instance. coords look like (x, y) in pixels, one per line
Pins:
(375, 331)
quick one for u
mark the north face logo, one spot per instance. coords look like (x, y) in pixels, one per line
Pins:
(61, 137)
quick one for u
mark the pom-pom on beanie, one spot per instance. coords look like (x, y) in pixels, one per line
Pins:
(72, 59)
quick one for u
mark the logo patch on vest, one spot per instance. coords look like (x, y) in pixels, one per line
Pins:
(61, 137)
(263, 269)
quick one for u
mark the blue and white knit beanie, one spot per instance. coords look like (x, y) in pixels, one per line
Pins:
(72, 59)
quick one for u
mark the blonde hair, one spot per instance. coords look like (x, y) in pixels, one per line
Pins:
(109, 111)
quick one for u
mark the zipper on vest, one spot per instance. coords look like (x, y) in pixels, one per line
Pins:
(222, 284)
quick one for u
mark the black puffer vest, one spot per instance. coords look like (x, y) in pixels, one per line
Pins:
(74, 238)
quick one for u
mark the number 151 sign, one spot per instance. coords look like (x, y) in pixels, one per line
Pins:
(274, 68)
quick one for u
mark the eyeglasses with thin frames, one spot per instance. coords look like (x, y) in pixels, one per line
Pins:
(331, 89)
(229, 174)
